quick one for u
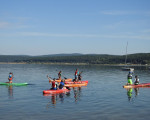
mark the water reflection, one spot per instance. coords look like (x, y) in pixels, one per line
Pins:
(130, 93)
(55, 98)
(77, 93)
(136, 90)
(10, 91)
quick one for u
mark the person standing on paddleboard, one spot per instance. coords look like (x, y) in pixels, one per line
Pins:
(76, 74)
(10, 77)
(129, 77)
(59, 75)
(79, 76)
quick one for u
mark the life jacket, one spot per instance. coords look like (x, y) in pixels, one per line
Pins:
(61, 85)
(79, 77)
(129, 76)
(53, 84)
(76, 72)
(10, 77)
(59, 73)
(136, 81)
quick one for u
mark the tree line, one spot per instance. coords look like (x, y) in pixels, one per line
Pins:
(139, 58)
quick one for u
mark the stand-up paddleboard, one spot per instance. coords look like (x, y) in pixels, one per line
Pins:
(14, 84)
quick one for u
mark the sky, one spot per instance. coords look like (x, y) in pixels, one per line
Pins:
(42, 27)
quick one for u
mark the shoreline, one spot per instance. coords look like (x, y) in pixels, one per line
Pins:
(74, 64)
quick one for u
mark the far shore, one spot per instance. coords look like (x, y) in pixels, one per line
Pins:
(73, 64)
(13, 63)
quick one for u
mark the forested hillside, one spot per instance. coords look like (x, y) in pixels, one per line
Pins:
(140, 58)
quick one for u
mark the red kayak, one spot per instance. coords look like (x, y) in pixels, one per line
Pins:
(55, 91)
(136, 86)
(77, 82)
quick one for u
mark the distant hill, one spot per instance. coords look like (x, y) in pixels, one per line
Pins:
(13, 58)
(138, 58)
(62, 54)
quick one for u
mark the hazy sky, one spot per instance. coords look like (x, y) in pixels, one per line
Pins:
(40, 27)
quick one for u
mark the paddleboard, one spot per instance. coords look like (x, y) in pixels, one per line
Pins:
(14, 84)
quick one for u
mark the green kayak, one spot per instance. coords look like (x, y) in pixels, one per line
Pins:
(14, 84)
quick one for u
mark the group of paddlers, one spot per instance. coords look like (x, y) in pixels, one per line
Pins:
(129, 78)
(55, 85)
(61, 85)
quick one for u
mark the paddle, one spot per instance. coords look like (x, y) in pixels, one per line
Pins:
(64, 77)
(49, 78)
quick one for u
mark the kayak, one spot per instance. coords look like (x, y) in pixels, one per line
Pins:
(136, 86)
(76, 85)
(59, 80)
(14, 84)
(55, 91)
(67, 80)
(76, 82)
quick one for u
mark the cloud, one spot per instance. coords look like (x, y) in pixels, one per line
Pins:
(4, 24)
(53, 35)
(14, 23)
(119, 12)
(11, 25)
(115, 25)
(146, 31)
(114, 36)
(114, 12)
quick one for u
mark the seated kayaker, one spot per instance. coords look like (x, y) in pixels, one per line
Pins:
(61, 85)
(136, 80)
(10, 77)
(54, 85)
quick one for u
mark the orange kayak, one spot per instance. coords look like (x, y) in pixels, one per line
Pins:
(59, 80)
(136, 86)
(86, 81)
(76, 85)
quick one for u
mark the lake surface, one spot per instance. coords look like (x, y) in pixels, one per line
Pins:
(104, 98)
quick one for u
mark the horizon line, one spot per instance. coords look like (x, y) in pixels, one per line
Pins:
(71, 54)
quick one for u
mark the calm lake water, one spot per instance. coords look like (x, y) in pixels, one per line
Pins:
(104, 98)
